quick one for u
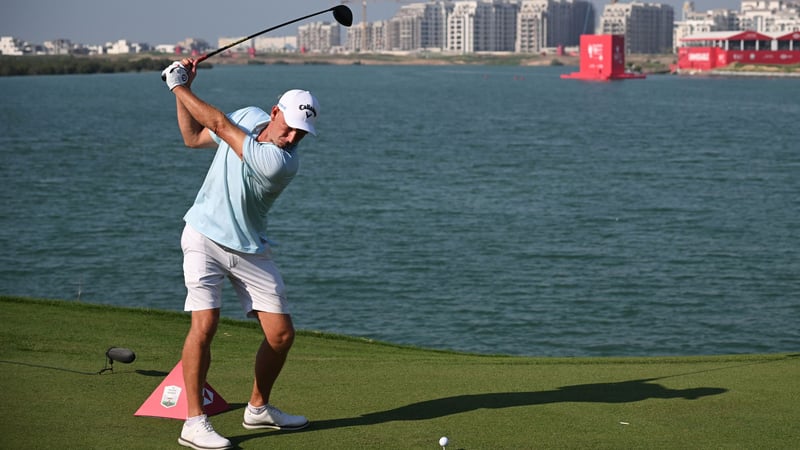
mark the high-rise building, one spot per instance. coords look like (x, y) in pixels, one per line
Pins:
(482, 26)
(462, 27)
(319, 36)
(647, 27)
(405, 28)
(532, 26)
(552, 23)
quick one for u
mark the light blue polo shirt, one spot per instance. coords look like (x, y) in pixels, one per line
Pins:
(231, 207)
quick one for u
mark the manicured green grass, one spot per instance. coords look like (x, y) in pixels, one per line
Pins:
(362, 394)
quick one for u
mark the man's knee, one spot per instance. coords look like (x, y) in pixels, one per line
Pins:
(204, 324)
(280, 339)
(278, 330)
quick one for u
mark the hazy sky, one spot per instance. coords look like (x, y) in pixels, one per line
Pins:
(155, 22)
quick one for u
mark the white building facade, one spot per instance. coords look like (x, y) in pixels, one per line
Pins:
(647, 27)
(770, 16)
(321, 37)
(552, 23)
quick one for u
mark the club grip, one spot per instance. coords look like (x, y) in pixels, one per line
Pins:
(196, 63)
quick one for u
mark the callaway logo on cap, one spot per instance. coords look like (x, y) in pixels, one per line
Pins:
(300, 110)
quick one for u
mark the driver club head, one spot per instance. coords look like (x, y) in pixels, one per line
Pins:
(343, 15)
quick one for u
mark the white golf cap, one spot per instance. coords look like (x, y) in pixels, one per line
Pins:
(300, 110)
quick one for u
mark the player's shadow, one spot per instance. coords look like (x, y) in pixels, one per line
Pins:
(622, 392)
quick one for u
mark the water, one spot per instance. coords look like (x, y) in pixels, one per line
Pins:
(481, 209)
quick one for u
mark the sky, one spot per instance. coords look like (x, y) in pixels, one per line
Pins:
(94, 22)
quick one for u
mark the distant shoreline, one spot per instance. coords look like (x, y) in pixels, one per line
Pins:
(646, 64)
(432, 59)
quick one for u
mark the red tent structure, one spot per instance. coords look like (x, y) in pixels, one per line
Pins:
(602, 59)
(707, 51)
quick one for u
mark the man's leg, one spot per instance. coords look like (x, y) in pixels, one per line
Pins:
(278, 338)
(196, 357)
(197, 431)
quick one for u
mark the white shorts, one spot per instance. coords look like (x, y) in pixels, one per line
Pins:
(255, 277)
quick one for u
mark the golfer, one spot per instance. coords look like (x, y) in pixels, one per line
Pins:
(224, 237)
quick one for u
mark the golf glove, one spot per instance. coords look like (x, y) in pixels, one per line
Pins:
(175, 75)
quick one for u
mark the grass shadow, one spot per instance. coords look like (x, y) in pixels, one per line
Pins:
(621, 392)
(103, 371)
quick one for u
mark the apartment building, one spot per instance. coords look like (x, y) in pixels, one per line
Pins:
(321, 37)
(465, 25)
(418, 26)
(647, 27)
(532, 26)
(552, 23)
(770, 16)
(360, 37)
(481, 26)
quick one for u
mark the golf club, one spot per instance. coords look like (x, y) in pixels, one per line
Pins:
(341, 13)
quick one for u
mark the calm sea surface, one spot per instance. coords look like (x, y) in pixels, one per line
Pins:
(481, 209)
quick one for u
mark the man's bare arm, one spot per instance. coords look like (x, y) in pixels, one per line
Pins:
(194, 134)
(194, 114)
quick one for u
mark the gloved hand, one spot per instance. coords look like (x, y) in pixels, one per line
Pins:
(175, 75)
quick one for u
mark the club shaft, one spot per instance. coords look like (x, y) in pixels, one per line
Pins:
(233, 44)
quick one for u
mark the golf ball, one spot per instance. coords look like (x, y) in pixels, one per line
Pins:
(443, 441)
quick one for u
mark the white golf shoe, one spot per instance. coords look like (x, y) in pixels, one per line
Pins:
(274, 418)
(201, 436)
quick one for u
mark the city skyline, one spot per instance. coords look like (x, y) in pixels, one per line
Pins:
(95, 22)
